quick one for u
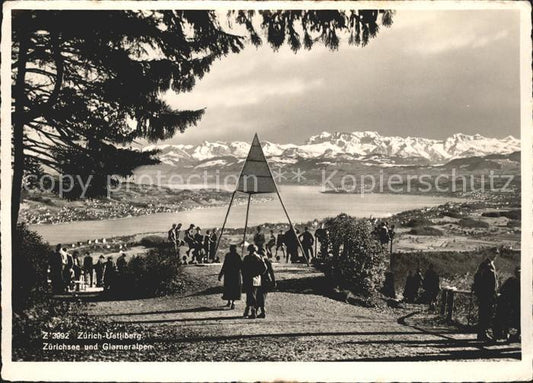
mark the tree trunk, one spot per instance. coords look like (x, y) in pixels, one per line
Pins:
(18, 129)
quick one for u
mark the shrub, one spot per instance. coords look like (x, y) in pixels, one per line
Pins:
(425, 230)
(418, 222)
(513, 223)
(29, 268)
(511, 214)
(472, 223)
(358, 260)
(453, 214)
(153, 241)
(156, 274)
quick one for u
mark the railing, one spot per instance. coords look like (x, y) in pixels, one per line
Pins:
(458, 306)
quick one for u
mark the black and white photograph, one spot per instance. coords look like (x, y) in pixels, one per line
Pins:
(267, 182)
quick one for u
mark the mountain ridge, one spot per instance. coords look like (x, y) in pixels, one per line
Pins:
(361, 146)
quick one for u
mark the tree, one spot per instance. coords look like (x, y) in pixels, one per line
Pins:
(88, 80)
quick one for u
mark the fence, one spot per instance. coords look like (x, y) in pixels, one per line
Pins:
(458, 306)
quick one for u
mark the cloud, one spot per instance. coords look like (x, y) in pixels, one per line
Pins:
(415, 78)
(250, 93)
(459, 42)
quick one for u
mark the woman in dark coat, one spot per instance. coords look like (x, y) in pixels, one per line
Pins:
(231, 270)
(268, 282)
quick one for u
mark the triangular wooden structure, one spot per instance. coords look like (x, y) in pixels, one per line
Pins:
(255, 178)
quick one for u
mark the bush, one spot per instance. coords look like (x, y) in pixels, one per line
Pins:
(513, 223)
(29, 268)
(153, 241)
(473, 223)
(453, 214)
(418, 222)
(425, 230)
(358, 261)
(511, 214)
(156, 274)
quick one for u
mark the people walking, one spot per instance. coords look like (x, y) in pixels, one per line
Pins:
(268, 282)
(484, 288)
(307, 241)
(231, 271)
(252, 269)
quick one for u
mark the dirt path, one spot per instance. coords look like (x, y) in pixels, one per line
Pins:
(300, 326)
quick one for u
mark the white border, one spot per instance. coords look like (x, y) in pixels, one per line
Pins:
(270, 371)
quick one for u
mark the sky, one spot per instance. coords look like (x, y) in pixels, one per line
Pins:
(431, 74)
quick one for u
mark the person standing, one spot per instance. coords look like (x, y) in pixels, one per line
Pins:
(88, 268)
(99, 268)
(76, 269)
(484, 288)
(109, 273)
(67, 268)
(508, 309)
(176, 238)
(383, 234)
(268, 282)
(189, 239)
(121, 263)
(172, 234)
(291, 242)
(431, 285)
(259, 241)
(307, 241)
(198, 245)
(252, 269)
(207, 243)
(213, 245)
(280, 244)
(270, 244)
(231, 271)
(321, 235)
(56, 270)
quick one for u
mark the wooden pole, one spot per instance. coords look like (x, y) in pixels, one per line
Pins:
(225, 220)
(246, 222)
(292, 227)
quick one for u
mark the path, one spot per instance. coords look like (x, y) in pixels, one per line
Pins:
(300, 326)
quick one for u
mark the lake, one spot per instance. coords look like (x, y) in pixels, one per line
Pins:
(304, 203)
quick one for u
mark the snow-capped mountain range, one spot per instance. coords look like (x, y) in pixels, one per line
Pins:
(364, 146)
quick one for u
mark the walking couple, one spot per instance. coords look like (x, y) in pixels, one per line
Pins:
(257, 279)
